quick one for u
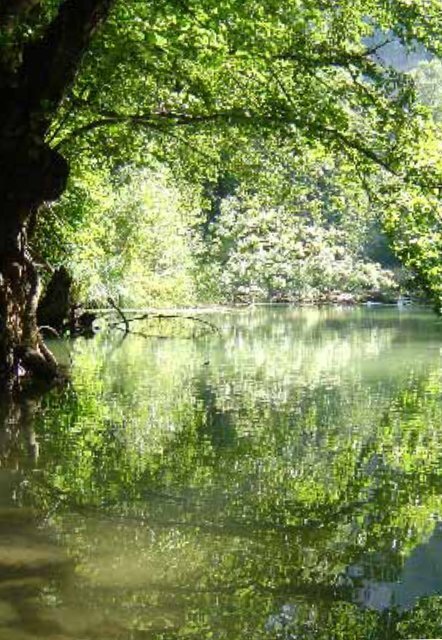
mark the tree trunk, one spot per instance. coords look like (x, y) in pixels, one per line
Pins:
(30, 174)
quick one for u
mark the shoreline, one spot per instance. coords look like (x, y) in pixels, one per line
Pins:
(225, 308)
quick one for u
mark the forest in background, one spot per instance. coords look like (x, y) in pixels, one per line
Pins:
(275, 226)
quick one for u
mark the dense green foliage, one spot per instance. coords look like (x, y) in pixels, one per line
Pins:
(140, 238)
(214, 89)
(309, 235)
(126, 235)
(235, 150)
(412, 215)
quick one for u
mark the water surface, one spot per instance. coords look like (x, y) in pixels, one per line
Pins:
(281, 479)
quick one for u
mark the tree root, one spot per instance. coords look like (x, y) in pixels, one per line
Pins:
(38, 363)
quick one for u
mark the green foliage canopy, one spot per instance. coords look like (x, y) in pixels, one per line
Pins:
(300, 70)
(194, 83)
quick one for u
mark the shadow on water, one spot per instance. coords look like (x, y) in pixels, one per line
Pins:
(281, 480)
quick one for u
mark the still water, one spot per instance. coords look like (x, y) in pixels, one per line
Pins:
(279, 479)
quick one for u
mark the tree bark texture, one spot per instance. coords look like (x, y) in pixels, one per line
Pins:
(32, 173)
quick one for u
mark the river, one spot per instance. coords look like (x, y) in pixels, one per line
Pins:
(280, 479)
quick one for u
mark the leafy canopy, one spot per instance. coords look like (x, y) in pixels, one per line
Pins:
(303, 70)
(193, 84)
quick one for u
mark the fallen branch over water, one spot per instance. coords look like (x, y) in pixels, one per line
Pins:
(114, 305)
(156, 316)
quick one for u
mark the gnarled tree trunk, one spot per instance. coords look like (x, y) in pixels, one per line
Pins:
(32, 173)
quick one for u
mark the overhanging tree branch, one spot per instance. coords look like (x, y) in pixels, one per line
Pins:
(157, 121)
(163, 122)
(167, 123)
(367, 60)
(50, 64)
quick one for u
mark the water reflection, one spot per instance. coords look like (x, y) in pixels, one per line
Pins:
(420, 575)
(279, 480)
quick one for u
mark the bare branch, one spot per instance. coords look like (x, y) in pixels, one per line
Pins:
(114, 305)
(162, 316)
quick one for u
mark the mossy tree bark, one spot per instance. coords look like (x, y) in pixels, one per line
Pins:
(32, 173)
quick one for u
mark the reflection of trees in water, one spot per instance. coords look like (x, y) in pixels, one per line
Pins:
(217, 424)
(274, 536)
(195, 503)
(17, 433)
(33, 568)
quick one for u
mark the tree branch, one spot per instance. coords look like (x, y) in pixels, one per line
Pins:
(163, 121)
(353, 143)
(168, 121)
(323, 58)
(125, 321)
(49, 65)
(157, 121)
(159, 316)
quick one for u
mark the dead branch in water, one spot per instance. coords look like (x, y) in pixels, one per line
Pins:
(114, 305)
(159, 316)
